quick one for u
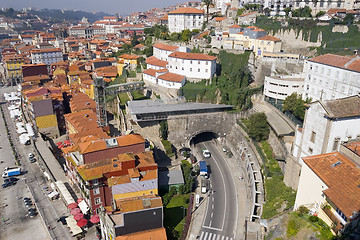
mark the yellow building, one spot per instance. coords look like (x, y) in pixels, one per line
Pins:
(267, 44)
(128, 60)
(46, 121)
(13, 65)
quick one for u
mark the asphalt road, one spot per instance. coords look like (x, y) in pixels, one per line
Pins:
(221, 215)
(17, 224)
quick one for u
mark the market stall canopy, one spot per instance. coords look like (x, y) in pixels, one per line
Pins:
(95, 219)
(82, 222)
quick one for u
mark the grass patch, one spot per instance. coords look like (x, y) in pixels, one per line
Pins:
(277, 195)
(118, 80)
(174, 215)
(123, 99)
(168, 148)
(138, 95)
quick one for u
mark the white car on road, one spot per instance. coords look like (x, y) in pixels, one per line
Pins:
(206, 153)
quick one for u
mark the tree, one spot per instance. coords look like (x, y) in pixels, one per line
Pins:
(134, 40)
(295, 105)
(258, 127)
(207, 3)
(164, 130)
(287, 11)
(319, 14)
(348, 19)
(186, 35)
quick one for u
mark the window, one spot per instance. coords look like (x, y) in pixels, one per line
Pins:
(336, 144)
(198, 62)
(97, 201)
(307, 87)
(182, 68)
(97, 211)
(190, 61)
(310, 150)
(207, 62)
(198, 69)
(190, 69)
(313, 136)
(95, 181)
(96, 191)
(206, 70)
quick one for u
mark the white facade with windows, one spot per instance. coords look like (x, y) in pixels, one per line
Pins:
(331, 77)
(47, 56)
(192, 65)
(327, 124)
(279, 87)
(185, 18)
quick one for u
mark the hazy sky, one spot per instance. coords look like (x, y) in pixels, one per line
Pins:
(123, 7)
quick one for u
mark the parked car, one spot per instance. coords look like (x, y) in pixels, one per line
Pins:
(7, 184)
(193, 158)
(32, 212)
(11, 179)
(206, 153)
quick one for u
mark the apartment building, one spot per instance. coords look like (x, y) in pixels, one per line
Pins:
(47, 56)
(86, 31)
(331, 76)
(277, 88)
(185, 18)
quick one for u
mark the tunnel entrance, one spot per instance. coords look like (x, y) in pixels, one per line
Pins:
(203, 137)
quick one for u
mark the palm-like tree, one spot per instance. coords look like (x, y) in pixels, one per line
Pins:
(207, 3)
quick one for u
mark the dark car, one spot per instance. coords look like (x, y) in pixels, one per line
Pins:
(11, 179)
(193, 158)
(7, 184)
(32, 212)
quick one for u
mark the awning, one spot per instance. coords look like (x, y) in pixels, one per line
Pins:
(84, 207)
(21, 130)
(64, 192)
(74, 228)
(23, 138)
(30, 129)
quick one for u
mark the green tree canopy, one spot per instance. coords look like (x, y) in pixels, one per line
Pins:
(258, 127)
(295, 105)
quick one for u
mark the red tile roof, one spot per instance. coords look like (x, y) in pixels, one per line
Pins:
(158, 234)
(235, 26)
(342, 180)
(165, 47)
(192, 56)
(269, 38)
(156, 62)
(346, 62)
(171, 77)
(187, 10)
(219, 19)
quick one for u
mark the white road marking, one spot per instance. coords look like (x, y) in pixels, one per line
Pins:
(213, 198)
(214, 238)
(212, 214)
(218, 237)
(226, 238)
(201, 235)
(222, 238)
(212, 206)
(212, 228)
(206, 233)
(210, 235)
(210, 223)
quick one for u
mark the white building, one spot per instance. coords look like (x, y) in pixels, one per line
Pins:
(317, 6)
(192, 65)
(279, 87)
(163, 78)
(162, 51)
(327, 124)
(47, 55)
(155, 63)
(331, 76)
(329, 187)
(86, 32)
(185, 18)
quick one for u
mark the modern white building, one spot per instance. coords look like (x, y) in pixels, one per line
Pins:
(327, 124)
(192, 65)
(163, 78)
(329, 187)
(279, 87)
(185, 18)
(47, 55)
(331, 76)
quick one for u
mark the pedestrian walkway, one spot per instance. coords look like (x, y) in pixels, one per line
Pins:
(213, 236)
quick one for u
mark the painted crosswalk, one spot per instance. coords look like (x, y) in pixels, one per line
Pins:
(213, 236)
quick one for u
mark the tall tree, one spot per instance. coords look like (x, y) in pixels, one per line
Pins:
(207, 3)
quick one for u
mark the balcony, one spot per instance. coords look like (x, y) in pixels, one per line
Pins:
(336, 225)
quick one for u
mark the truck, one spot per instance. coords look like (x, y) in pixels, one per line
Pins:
(11, 172)
(205, 185)
(203, 169)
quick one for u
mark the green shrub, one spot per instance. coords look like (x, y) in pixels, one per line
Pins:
(292, 228)
(303, 210)
(313, 218)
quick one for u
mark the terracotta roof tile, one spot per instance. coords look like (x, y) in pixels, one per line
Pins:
(234, 26)
(158, 234)
(342, 180)
(219, 19)
(156, 62)
(186, 10)
(192, 56)
(171, 77)
(269, 38)
(165, 47)
(138, 203)
(345, 62)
